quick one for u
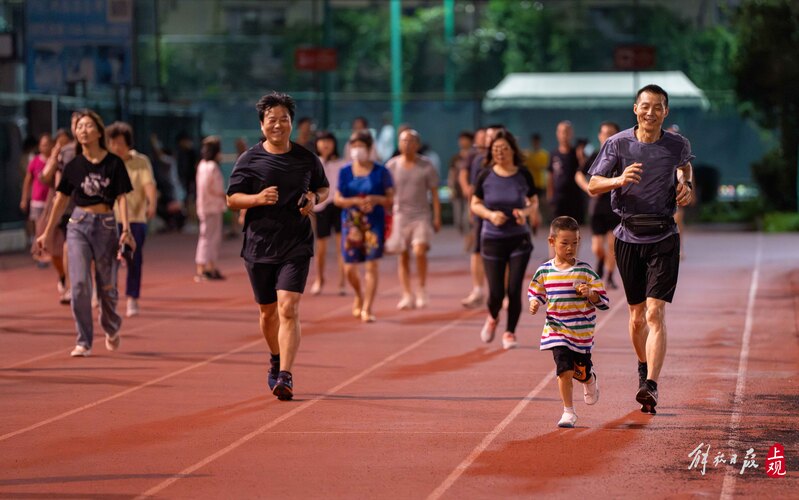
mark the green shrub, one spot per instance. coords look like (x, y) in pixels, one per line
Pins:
(781, 222)
(732, 211)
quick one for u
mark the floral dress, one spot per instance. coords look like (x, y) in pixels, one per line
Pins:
(363, 235)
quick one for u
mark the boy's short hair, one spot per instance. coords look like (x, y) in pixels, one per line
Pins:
(563, 223)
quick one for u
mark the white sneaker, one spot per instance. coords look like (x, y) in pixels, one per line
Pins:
(133, 307)
(112, 341)
(421, 298)
(568, 420)
(316, 288)
(474, 299)
(509, 341)
(80, 351)
(66, 297)
(405, 303)
(489, 329)
(591, 390)
(60, 287)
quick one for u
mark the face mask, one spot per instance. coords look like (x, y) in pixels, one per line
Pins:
(359, 154)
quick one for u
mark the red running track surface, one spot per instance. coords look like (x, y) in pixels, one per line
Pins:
(412, 406)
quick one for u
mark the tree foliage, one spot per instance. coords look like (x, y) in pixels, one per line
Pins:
(765, 70)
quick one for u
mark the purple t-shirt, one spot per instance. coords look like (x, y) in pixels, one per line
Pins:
(656, 194)
(504, 194)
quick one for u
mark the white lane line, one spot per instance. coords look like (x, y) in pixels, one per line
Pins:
(123, 332)
(129, 390)
(488, 439)
(154, 381)
(257, 432)
(728, 487)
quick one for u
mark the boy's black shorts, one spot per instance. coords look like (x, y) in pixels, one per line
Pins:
(267, 279)
(566, 359)
(649, 269)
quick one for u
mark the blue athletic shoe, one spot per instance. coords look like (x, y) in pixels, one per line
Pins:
(284, 388)
(271, 377)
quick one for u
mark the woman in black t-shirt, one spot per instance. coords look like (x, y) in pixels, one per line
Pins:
(95, 179)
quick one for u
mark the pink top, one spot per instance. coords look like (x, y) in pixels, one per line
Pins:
(210, 189)
(39, 189)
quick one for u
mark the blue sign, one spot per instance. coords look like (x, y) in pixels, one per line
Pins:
(77, 42)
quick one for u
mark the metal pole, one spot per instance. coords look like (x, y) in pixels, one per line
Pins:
(449, 36)
(396, 62)
(327, 77)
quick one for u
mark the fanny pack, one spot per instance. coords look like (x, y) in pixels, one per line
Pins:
(647, 224)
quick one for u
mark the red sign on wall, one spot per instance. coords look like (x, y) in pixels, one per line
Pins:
(634, 57)
(316, 59)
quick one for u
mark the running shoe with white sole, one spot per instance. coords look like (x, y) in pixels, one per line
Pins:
(568, 420)
(648, 397)
(132, 307)
(591, 390)
(80, 351)
(474, 299)
(489, 329)
(112, 341)
(421, 298)
(284, 386)
(405, 303)
(509, 341)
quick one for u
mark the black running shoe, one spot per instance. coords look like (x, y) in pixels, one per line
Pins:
(648, 409)
(284, 388)
(271, 377)
(647, 396)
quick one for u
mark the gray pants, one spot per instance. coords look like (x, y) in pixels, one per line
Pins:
(93, 237)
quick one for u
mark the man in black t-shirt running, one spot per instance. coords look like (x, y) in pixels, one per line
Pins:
(278, 182)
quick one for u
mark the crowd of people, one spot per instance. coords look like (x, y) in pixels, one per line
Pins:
(92, 195)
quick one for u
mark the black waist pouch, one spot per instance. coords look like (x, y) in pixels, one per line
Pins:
(647, 224)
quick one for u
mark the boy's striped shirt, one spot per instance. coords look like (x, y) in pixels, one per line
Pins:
(571, 319)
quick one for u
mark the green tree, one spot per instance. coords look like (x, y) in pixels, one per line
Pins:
(766, 69)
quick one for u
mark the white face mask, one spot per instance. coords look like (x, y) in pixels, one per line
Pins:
(359, 154)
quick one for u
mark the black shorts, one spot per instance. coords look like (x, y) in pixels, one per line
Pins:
(649, 269)
(603, 223)
(328, 220)
(267, 279)
(566, 359)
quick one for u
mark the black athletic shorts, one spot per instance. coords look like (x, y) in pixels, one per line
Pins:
(603, 223)
(267, 279)
(327, 220)
(566, 359)
(649, 269)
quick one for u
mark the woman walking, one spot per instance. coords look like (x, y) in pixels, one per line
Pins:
(211, 205)
(504, 197)
(365, 189)
(95, 179)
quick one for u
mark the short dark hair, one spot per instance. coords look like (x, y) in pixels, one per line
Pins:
(98, 122)
(361, 118)
(304, 119)
(210, 148)
(613, 125)
(466, 134)
(274, 99)
(503, 133)
(535, 136)
(117, 129)
(362, 135)
(326, 135)
(653, 89)
(563, 223)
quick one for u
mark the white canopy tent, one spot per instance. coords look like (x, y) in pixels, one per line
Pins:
(589, 90)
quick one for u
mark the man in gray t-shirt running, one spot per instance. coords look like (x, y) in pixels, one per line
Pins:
(648, 171)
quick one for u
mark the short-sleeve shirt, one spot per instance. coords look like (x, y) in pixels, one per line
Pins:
(562, 167)
(332, 168)
(656, 194)
(597, 205)
(504, 194)
(39, 189)
(140, 171)
(476, 166)
(91, 184)
(411, 185)
(277, 233)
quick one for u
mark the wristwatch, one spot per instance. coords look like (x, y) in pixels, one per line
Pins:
(689, 184)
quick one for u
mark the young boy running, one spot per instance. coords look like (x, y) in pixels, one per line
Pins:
(573, 292)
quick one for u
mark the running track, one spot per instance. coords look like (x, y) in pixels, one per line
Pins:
(413, 406)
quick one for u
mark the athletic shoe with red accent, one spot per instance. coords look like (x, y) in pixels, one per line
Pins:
(284, 387)
(648, 397)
